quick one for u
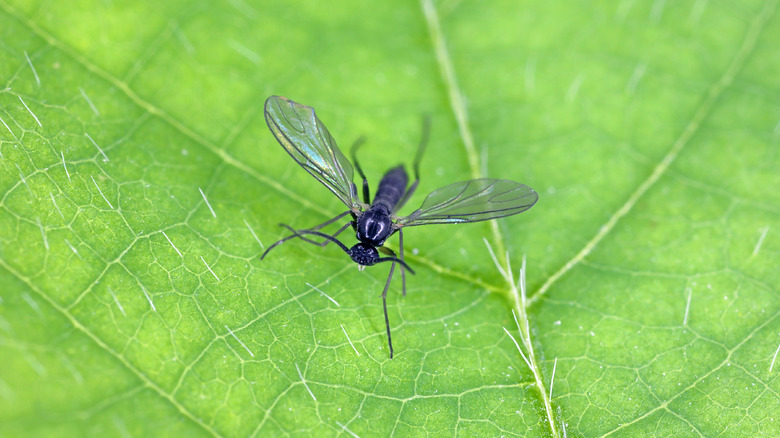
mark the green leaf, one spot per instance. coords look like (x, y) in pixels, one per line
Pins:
(129, 308)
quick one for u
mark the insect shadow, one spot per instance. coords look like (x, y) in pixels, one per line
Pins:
(297, 128)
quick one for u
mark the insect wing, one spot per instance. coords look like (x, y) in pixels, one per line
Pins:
(297, 128)
(472, 201)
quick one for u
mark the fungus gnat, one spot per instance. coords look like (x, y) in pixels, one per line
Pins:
(297, 128)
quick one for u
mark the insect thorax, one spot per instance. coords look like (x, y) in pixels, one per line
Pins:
(374, 226)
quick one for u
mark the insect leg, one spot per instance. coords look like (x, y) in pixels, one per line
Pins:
(324, 224)
(403, 271)
(353, 152)
(394, 259)
(326, 241)
(426, 131)
(323, 235)
(384, 305)
(328, 238)
(299, 234)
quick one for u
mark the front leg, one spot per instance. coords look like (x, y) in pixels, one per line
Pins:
(328, 238)
(334, 235)
(322, 225)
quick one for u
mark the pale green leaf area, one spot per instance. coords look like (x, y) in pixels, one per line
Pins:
(650, 129)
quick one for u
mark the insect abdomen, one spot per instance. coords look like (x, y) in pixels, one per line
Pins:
(391, 188)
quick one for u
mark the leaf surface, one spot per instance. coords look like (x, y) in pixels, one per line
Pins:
(138, 177)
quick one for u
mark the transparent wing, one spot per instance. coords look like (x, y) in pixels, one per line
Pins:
(306, 139)
(472, 201)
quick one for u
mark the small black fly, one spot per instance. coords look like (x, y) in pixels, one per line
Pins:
(297, 128)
